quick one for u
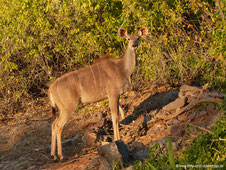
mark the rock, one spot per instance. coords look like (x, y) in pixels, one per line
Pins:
(205, 96)
(163, 142)
(203, 113)
(156, 128)
(192, 98)
(123, 149)
(153, 130)
(90, 139)
(182, 133)
(132, 94)
(141, 154)
(221, 114)
(181, 94)
(191, 93)
(99, 116)
(135, 145)
(217, 95)
(178, 111)
(110, 154)
(214, 118)
(185, 88)
(172, 129)
(106, 139)
(104, 143)
(96, 163)
(146, 119)
(169, 97)
(70, 142)
(175, 146)
(172, 122)
(178, 103)
(115, 152)
(128, 120)
(183, 117)
(128, 139)
(192, 116)
(211, 107)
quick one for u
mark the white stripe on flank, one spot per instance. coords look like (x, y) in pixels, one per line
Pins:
(93, 76)
(80, 83)
(101, 84)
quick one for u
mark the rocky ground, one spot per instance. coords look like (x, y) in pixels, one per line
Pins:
(151, 115)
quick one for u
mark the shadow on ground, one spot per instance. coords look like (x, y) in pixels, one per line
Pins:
(151, 103)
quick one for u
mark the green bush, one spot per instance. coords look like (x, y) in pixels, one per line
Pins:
(158, 158)
(206, 151)
(209, 148)
(41, 40)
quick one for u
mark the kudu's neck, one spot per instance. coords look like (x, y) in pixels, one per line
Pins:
(129, 60)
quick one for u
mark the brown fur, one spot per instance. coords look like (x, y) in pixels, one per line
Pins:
(104, 57)
(108, 78)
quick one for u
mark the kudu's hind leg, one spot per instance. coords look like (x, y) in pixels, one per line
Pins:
(63, 118)
(121, 112)
(53, 142)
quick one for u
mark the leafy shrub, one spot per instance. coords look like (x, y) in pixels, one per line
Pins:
(158, 158)
(206, 150)
(41, 40)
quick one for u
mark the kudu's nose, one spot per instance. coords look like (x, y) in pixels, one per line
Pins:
(135, 44)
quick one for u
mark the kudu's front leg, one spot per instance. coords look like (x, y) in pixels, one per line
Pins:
(114, 106)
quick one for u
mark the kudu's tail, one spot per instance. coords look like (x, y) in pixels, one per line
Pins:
(53, 105)
(53, 111)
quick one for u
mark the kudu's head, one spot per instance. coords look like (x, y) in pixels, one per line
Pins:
(133, 38)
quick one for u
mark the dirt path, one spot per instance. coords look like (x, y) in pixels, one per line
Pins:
(25, 141)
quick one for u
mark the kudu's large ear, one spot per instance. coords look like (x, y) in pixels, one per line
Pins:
(143, 32)
(122, 32)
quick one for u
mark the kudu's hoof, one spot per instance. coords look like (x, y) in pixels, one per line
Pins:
(61, 158)
(54, 157)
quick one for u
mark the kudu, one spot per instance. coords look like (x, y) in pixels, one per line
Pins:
(108, 78)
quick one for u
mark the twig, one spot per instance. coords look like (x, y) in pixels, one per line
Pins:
(192, 104)
(219, 7)
(216, 150)
(188, 107)
(201, 128)
(219, 139)
(45, 156)
(124, 126)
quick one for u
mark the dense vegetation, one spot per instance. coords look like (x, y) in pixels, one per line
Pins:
(41, 40)
(206, 151)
